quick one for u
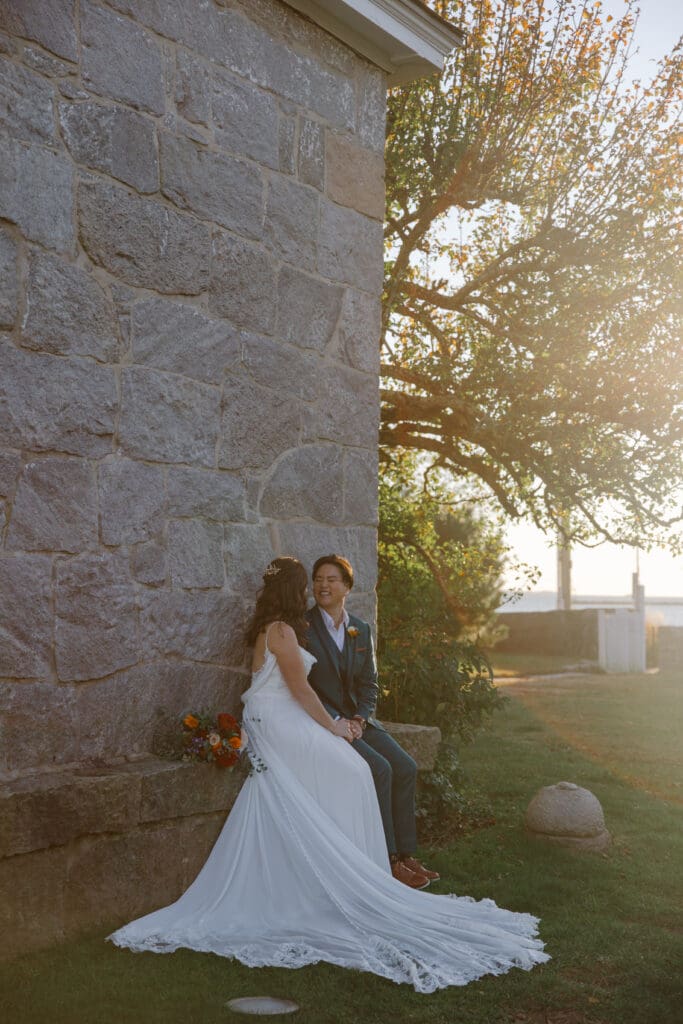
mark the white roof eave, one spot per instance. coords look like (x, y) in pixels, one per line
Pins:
(400, 36)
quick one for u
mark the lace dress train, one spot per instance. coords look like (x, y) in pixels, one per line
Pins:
(300, 872)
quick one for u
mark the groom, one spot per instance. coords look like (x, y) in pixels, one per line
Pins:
(345, 678)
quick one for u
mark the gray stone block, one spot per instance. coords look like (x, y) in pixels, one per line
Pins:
(167, 418)
(287, 145)
(306, 482)
(192, 88)
(360, 486)
(48, 403)
(132, 501)
(120, 60)
(212, 185)
(58, 744)
(312, 154)
(49, 22)
(308, 309)
(346, 409)
(371, 106)
(67, 311)
(248, 549)
(114, 140)
(140, 709)
(183, 790)
(10, 467)
(36, 192)
(199, 492)
(283, 368)
(246, 119)
(303, 79)
(25, 104)
(205, 626)
(45, 64)
(291, 221)
(51, 810)
(195, 554)
(55, 508)
(350, 247)
(420, 741)
(142, 242)
(25, 625)
(307, 541)
(148, 563)
(143, 869)
(358, 335)
(170, 18)
(243, 284)
(34, 916)
(95, 617)
(363, 188)
(179, 338)
(257, 425)
(9, 280)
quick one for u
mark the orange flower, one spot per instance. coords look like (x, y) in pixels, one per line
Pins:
(235, 742)
(352, 631)
(190, 721)
(226, 760)
(226, 721)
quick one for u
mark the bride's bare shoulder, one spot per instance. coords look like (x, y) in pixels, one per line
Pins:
(281, 636)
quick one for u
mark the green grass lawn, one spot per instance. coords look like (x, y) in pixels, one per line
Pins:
(612, 922)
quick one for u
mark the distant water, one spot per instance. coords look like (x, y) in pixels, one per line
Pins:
(664, 611)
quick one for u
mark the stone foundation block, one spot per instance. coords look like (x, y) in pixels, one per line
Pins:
(68, 313)
(25, 104)
(55, 507)
(420, 741)
(120, 60)
(36, 193)
(114, 140)
(53, 404)
(145, 244)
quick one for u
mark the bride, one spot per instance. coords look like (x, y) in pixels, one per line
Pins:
(300, 872)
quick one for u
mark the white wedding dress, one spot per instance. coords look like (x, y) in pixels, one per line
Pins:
(300, 872)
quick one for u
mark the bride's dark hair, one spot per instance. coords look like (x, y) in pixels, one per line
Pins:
(282, 598)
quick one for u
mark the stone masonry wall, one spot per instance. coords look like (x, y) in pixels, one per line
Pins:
(191, 203)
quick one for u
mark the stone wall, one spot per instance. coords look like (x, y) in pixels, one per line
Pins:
(191, 203)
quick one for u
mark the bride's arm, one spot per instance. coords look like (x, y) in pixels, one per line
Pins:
(283, 643)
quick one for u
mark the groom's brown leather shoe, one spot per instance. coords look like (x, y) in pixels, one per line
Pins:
(414, 865)
(414, 879)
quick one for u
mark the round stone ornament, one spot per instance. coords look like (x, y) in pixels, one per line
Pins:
(262, 1006)
(568, 814)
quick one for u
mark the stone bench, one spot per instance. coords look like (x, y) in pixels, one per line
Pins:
(92, 846)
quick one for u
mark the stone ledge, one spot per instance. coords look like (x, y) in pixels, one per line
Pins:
(42, 811)
(420, 741)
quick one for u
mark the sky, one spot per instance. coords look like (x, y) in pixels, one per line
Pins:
(607, 570)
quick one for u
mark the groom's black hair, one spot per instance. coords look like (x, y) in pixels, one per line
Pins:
(342, 564)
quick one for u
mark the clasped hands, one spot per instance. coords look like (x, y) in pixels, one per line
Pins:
(349, 729)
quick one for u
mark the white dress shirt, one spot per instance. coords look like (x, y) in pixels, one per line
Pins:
(336, 632)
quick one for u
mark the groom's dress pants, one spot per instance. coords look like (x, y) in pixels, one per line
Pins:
(395, 775)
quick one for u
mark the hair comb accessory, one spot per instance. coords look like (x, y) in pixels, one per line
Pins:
(272, 571)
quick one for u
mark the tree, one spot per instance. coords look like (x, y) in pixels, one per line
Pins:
(531, 333)
(439, 585)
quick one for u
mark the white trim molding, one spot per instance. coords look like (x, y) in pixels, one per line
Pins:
(403, 37)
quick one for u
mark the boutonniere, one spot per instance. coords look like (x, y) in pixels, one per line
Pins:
(353, 632)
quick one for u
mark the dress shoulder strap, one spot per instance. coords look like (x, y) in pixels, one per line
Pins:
(268, 629)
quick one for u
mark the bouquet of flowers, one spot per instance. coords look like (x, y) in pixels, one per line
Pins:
(208, 739)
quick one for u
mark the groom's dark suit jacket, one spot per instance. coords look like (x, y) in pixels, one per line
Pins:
(346, 680)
